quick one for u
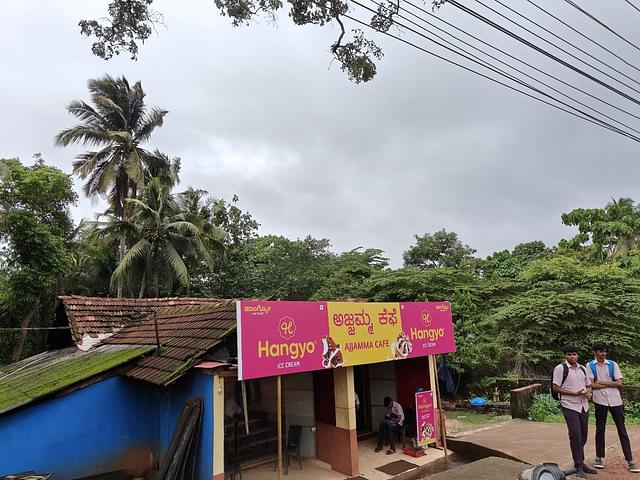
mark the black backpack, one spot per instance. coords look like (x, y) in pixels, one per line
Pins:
(565, 373)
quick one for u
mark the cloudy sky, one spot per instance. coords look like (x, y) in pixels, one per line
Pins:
(261, 112)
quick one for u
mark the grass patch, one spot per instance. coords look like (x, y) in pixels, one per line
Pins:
(545, 409)
(460, 420)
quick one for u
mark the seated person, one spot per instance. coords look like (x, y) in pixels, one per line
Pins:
(392, 422)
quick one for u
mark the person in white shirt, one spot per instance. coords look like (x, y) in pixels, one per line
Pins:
(393, 421)
(606, 380)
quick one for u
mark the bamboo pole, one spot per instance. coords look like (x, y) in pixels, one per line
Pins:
(443, 427)
(245, 407)
(279, 423)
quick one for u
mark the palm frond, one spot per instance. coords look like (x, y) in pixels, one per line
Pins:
(149, 122)
(82, 134)
(176, 263)
(85, 112)
(184, 227)
(134, 253)
(86, 163)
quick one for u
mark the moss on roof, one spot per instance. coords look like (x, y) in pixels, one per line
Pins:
(32, 381)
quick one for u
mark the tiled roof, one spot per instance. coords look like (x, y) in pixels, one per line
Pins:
(50, 372)
(185, 333)
(97, 315)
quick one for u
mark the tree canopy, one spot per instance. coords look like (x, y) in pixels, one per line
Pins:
(131, 22)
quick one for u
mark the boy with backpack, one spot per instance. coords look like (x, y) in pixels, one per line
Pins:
(573, 388)
(606, 380)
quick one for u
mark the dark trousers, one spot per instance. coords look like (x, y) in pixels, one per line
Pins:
(387, 431)
(601, 422)
(578, 426)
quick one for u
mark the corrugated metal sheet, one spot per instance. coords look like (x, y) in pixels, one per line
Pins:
(47, 373)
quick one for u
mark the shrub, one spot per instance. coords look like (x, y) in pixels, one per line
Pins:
(544, 408)
(631, 374)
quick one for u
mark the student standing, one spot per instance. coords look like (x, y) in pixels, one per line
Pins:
(606, 380)
(572, 384)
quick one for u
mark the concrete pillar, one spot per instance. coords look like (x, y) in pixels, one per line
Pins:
(218, 427)
(345, 400)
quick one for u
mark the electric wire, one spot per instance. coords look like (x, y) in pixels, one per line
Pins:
(632, 5)
(513, 57)
(556, 46)
(541, 50)
(542, 27)
(571, 110)
(587, 37)
(501, 71)
(601, 23)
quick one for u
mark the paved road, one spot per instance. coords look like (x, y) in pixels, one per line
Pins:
(534, 442)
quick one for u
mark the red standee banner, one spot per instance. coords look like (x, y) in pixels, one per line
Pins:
(278, 338)
(425, 418)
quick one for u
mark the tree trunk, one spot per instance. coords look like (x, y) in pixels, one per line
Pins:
(143, 287)
(121, 253)
(26, 320)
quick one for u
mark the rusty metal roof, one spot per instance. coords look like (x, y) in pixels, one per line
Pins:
(185, 332)
(95, 316)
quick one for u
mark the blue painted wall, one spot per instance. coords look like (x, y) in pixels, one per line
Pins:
(84, 432)
(173, 398)
(92, 429)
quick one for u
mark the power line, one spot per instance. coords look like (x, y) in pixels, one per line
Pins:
(587, 37)
(582, 115)
(555, 46)
(519, 60)
(599, 22)
(502, 72)
(541, 50)
(632, 5)
(568, 43)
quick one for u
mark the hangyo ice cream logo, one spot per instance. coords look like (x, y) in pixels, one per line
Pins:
(292, 350)
(287, 328)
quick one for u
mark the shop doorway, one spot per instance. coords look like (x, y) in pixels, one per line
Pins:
(363, 400)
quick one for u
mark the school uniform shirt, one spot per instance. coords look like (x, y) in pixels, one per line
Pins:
(577, 379)
(609, 396)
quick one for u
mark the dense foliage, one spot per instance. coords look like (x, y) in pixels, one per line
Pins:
(512, 310)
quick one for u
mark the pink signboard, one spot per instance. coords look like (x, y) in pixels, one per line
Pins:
(425, 418)
(428, 327)
(278, 338)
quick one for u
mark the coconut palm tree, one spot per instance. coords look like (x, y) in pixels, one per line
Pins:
(165, 240)
(116, 126)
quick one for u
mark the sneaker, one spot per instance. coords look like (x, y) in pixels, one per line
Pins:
(633, 468)
(378, 448)
(598, 463)
(391, 451)
(580, 473)
(588, 469)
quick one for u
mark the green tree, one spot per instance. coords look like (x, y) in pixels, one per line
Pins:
(507, 265)
(34, 229)
(564, 302)
(117, 124)
(273, 266)
(440, 249)
(165, 241)
(349, 273)
(607, 232)
(93, 260)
